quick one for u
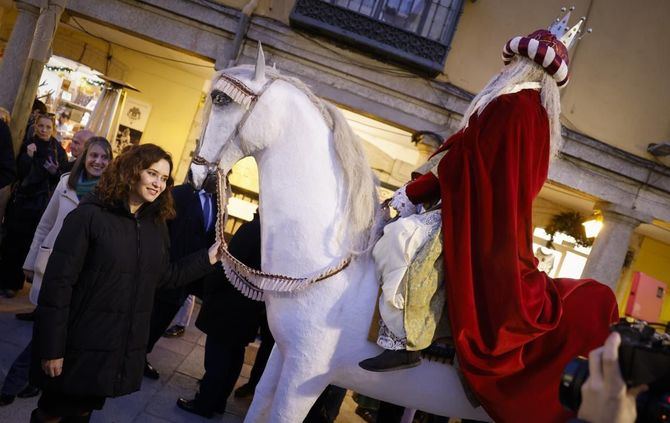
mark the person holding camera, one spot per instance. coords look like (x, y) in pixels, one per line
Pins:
(605, 397)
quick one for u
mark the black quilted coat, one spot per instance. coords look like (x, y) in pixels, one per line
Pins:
(97, 294)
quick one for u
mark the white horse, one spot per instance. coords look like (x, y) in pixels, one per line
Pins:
(317, 206)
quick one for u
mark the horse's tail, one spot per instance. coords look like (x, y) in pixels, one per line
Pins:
(362, 211)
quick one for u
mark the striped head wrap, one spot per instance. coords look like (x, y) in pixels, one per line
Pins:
(543, 48)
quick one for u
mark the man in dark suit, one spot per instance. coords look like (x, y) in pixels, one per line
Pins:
(230, 321)
(192, 230)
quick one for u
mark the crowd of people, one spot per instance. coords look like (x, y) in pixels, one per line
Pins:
(102, 232)
(113, 251)
(94, 244)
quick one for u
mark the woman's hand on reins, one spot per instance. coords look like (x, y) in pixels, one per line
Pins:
(53, 368)
(213, 252)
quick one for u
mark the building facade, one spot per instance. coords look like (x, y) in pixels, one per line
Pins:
(397, 67)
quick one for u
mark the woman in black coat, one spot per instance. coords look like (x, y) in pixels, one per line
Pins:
(40, 164)
(94, 310)
(7, 166)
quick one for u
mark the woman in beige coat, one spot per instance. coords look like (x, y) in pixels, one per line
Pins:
(70, 189)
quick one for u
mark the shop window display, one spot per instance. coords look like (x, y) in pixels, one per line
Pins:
(70, 91)
(132, 123)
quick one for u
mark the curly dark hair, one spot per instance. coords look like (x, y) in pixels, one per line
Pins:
(124, 172)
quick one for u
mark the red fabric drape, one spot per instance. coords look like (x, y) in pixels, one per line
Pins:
(514, 327)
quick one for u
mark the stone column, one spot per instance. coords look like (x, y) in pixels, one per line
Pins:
(609, 250)
(16, 53)
(40, 51)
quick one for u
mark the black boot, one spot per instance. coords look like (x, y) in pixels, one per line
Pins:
(246, 390)
(192, 406)
(174, 331)
(29, 392)
(391, 360)
(38, 416)
(6, 399)
(77, 419)
(26, 317)
(150, 371)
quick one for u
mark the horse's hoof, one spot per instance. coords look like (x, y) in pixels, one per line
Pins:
(391, 360)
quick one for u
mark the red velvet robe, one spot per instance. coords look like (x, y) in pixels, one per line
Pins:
(514, 327)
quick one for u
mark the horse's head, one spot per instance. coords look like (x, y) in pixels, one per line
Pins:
(232, 98)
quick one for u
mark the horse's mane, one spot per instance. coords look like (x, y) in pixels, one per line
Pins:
(360, 184)
(361, 204)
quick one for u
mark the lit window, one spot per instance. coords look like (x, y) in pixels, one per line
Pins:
(572, 266)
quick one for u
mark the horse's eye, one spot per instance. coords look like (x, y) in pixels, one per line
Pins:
(219, 98)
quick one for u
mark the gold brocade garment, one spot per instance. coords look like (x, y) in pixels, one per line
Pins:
(424, 295)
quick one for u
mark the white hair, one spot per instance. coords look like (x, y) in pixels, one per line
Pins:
(518, 71)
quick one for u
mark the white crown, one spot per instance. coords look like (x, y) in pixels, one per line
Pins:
(560, 29)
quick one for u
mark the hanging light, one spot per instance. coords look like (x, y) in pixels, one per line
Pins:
(592, 227)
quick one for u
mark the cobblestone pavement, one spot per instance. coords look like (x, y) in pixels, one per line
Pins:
(178, 360)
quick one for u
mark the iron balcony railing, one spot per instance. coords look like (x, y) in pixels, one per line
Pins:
(415, 32)
(428, 18)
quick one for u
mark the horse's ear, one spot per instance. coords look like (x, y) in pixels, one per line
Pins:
(259, 74)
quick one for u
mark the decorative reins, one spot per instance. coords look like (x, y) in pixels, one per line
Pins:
(252, 283)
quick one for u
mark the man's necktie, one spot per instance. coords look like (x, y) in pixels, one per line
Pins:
(207, 210)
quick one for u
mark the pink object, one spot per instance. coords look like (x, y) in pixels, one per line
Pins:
(646, 298)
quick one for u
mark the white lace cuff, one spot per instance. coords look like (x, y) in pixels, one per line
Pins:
(402, 203)
(388, 340)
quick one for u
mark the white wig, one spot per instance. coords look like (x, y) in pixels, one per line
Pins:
(522, 70)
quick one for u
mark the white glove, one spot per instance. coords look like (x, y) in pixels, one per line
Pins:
(402, 203)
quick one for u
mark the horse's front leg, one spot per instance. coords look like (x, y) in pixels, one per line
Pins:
(259, 411)
(303, 378)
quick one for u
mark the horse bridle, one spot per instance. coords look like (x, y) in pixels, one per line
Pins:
(213, 167)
